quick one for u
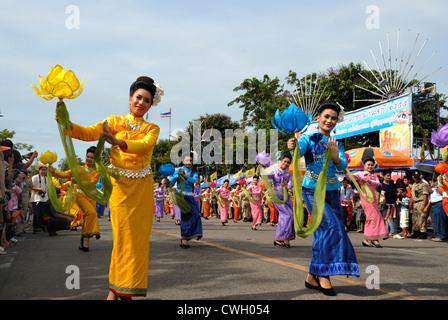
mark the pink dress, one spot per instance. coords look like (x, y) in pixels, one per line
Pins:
(224, 195)
(257, 213)
(374, 227)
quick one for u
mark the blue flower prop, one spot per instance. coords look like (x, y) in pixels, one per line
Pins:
(293, 119)
(167, 169)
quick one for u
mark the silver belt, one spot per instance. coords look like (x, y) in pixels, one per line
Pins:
(133, 174)
(313, 176)
(186, 193)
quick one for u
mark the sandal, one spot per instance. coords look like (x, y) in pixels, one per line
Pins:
(82, 247)
(184, 246)
(279, 243)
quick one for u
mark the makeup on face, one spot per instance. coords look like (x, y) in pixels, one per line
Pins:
(327, 120)
(140, 102)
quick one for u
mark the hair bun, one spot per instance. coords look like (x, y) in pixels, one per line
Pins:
(143, 82)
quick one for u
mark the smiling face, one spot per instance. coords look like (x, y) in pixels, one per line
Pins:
(327, 121)
(140, 102)
(188, 162)
(369, 166)
(43, 171)
(284, 164)
(89, 159)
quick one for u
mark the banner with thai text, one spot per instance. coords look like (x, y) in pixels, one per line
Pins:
(372, 118)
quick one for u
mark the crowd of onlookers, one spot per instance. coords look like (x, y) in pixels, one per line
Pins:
(411, 205)
(14, 179)
(24, 201)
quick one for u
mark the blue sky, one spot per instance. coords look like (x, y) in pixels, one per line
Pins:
(199, 51)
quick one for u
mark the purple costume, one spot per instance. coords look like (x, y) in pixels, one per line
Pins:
(285, 225)
(159, 194)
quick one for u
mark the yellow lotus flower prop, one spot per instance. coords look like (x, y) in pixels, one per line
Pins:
(48, 157)
(60, 83)
(63, 204)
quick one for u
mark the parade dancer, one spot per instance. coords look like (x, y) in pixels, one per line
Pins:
(236, 201)
(85, 205)
(159, 195)
(333, 253)
(190, 222)
(283, 179)
(257, 194)
(374, 226)
(132, 199)
(223, 201)
(206, 205)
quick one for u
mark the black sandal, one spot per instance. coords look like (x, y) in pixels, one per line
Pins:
(327, 292)
(312, 286)
(279, 243)
(184, 246)
(81, 247)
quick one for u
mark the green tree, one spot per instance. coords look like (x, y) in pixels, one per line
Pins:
(343, 84)
(428, 110)
(161, 155)
(260, 100)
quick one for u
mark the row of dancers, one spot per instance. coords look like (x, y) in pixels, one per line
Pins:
(251, 203)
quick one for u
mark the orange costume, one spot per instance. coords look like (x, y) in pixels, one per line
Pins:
(206, 197)
(131, 202)
(236, 203)
(273, 212)
(84, 205)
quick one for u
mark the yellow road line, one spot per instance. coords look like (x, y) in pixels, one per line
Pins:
(295, 266)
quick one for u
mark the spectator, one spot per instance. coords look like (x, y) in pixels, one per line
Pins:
(403, 205)
(6, 219)
(359, 212)
(18, 158)
(16, 204)
(214, 201)
(346, 194)
(389, 211)
(439, 215)
(54, 220)
(407, 181)
(420, 198)
(39, 196)
(26, 194)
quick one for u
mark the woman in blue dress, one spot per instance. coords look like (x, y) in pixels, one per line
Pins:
(333, 253)
(190, 222)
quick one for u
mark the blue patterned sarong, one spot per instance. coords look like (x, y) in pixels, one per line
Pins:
(190, 223)
(333, 253)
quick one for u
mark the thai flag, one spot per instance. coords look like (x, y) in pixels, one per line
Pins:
(166, 114)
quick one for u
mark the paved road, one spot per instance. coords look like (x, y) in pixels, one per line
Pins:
(229, 263)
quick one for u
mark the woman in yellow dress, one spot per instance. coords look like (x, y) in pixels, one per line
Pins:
(132, 200)
(85, 205)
